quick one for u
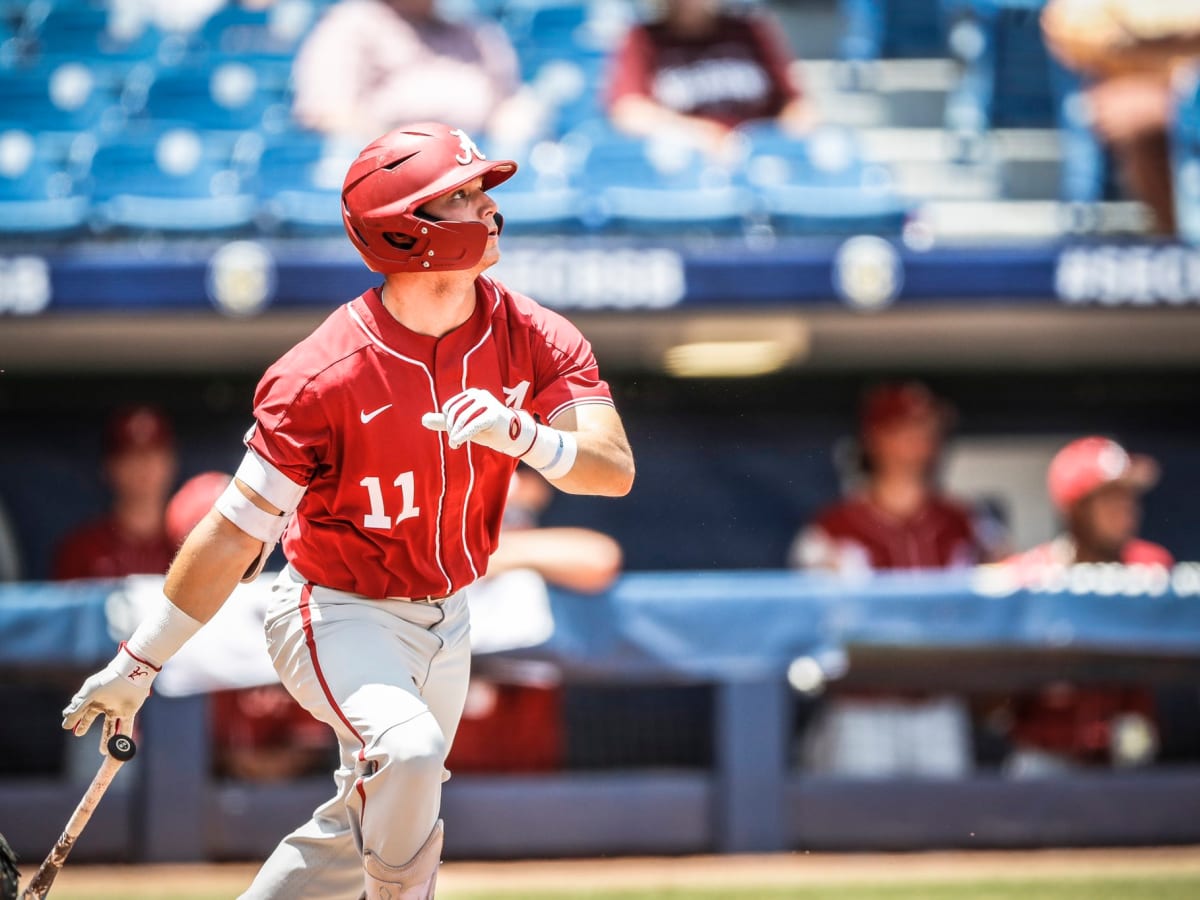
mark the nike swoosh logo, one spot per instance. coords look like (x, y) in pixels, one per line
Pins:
(366, 417)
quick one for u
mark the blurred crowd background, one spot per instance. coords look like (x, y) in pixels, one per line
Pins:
(1014, 405)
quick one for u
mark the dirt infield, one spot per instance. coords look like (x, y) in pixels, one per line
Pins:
(770, 871)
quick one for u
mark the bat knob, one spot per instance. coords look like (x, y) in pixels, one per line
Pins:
(121, 747)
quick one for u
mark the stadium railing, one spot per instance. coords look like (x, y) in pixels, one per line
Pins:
(742, 632)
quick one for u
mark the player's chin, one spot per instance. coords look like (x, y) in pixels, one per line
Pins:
(491, 255)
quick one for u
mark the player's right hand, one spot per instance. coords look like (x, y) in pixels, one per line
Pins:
(477, 416)
(116, 692)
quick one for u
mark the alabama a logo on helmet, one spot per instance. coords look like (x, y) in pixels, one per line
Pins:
(467, 146)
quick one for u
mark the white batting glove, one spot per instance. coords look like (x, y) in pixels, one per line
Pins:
(476, 415)
(116, 692)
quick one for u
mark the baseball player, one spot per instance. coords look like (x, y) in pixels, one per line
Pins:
(380, 453)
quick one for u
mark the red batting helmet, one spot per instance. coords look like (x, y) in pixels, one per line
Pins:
(1088, 464)
(390, 181)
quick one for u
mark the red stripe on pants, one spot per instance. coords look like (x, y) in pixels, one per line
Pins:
(311, 640)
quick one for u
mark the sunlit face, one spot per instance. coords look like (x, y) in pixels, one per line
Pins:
(1107, 519)
(469, 203)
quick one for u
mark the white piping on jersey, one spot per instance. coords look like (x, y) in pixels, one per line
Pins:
(470, 460)
(437, 534)
(576, 401)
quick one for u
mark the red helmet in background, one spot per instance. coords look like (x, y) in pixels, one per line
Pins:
(1084, 466)
(398, 173)
(192, 502)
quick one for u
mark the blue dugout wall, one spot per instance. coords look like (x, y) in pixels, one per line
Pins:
(740, 632)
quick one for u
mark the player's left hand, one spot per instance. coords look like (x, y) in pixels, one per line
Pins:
(116, 692)
(476, 415)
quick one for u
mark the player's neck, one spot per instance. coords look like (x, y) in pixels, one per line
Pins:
(430, 303)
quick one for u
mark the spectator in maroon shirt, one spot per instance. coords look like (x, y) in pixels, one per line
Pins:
(699, 71)
(897, 519)
(1096, 486)
(140, 464)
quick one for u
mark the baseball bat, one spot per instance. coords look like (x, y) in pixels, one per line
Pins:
(121, 749)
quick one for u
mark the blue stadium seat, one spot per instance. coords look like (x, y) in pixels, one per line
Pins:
(1185, 156)
(571, 87)
(544, 195)
(564, 29)
(11, 48)
(260, 34)
(173, 181)
(655, 185)
(541, 22)
(563, 47)
(113, 45)
(1007, 79)
(58, 100)
(299, 178)
(228, 96)
(37, 194)
(874, 29)
(819, 185)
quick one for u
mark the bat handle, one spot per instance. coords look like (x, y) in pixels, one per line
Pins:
(39, 885)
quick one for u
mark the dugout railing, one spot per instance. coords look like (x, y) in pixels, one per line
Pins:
(741, 633)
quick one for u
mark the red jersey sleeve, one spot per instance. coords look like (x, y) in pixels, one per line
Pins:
(776, 58)
(290, 432)
(630, 67)
(564, 368)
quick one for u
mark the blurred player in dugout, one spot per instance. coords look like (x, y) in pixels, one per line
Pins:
(1096, 487)
(513, 718)
(896, 518)
(140, 466)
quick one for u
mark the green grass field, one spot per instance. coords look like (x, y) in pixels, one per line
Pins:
(1074, 888)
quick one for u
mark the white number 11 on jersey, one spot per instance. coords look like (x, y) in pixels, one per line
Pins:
(376, 517)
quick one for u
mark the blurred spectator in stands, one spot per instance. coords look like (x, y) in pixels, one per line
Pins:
(699, 71)
(258, 733)
(1096, 487)
(370, 65)
(1128, 50)
(515, 723)
(140, 464)
(897, 519)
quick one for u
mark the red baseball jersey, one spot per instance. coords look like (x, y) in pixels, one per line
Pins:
(101, 549)
(857, 533)
(386, 508)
